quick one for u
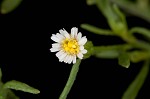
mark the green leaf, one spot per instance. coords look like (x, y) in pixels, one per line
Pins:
(141, 30)
(2, 97)
(11, 95)
(9, 5)
(16, 85)
(90, 2)
(3, 92)
(89, 47)
(111, 51)
(0, 74)
(7, 94)
(136, 85)
(133, 8)
(111, 54)
(115, 18)
(96, 30)
(137, 56)
(124, 59)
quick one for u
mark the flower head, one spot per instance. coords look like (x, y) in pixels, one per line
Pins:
(69, 46)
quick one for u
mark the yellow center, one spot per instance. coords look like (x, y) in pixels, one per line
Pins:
(70, 46)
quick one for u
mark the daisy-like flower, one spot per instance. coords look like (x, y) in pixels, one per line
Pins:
(69, 46)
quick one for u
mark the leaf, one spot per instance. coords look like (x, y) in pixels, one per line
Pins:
(108, 54)
(114, 17)
(9, 5)
(2, 97)
(111, 51)
(136, 85)
(16, 85)
(96, 30)
(90, 2)
(11, 95)
(124, 59)
(89, 47)
(141, 30)
(137, 56)
(0, 74)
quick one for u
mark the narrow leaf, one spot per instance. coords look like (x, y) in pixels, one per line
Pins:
(90, 2)
(111, 54)
(124, 59)
(137, 56)
(141, 30)
(0, 74)
(16, 85)
(111, 51)
(135, 86)
(114, 16)
(11, 95)
(9, 5)
(96, 30)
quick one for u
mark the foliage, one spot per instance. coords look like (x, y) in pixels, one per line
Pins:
(134, 50)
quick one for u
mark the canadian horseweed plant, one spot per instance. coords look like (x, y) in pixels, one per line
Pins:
(72, 47)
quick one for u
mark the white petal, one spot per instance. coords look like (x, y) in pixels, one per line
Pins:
(59, 53)
(54, 49)
(54, 38)
(61, 32)
(61, 57)
(66, 34)
(84, 51)
(60, 36)
(81, 47)
(70, 60)
(74, 59)
(74, 32)
(66, 59)
(80, 55)
(83, 40)
(79, 36)
(56, 45)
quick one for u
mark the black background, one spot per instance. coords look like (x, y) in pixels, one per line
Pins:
(25, 56)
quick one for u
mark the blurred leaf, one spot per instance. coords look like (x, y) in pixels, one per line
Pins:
(96, 30)
(135, 86)
(1, 97)
(9, 5)
(133, 8)
(124, 59)
(16, 85)
(120, 14)
(0, 74)
(108, 54)
(90, 2)
(137, 56)
(89, 47)
(11, 95)
(7, 93)
(114, 17)
(3, 92)
(111, 51)
(141, 30)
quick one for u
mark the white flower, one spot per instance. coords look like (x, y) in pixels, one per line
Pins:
(69, 46)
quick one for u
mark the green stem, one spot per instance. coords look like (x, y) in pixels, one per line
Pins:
(71, 80)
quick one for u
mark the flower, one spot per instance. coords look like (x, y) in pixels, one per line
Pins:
(69, 46)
